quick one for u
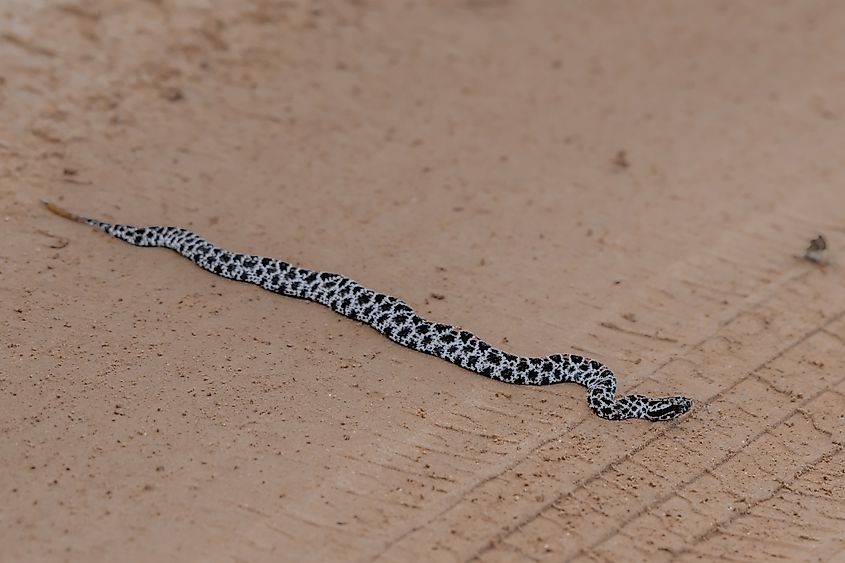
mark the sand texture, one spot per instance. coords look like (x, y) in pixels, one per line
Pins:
(636, 182)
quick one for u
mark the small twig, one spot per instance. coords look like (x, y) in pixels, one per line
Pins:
(816, 250)
(61, 242)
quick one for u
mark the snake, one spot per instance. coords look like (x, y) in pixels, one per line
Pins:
(398, 321)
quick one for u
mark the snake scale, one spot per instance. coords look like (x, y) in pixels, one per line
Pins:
(396, 320)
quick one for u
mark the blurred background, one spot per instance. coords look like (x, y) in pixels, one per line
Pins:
(634, 182)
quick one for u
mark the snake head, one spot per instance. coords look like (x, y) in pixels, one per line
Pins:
(640, 406)
(666, 408)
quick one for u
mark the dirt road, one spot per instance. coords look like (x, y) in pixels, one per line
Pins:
(636, 185)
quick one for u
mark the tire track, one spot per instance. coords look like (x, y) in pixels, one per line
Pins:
(525, 521)
(755, 301)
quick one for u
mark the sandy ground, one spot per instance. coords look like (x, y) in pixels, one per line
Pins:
(637, 185)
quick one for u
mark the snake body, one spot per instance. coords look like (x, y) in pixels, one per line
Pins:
(398, 321)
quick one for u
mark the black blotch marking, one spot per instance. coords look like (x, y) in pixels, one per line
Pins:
(673, 410)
